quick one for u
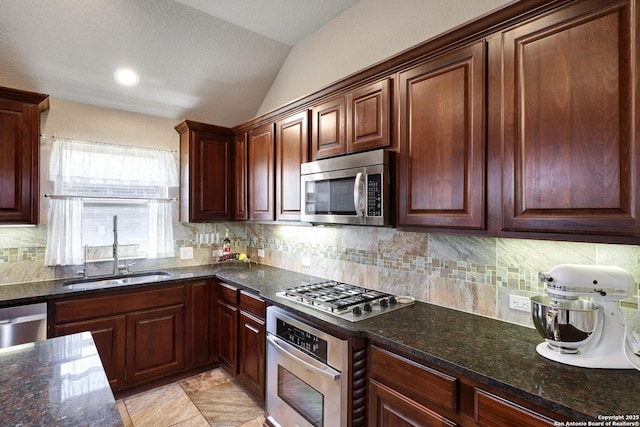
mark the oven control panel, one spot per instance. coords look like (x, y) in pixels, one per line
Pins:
(304, 340)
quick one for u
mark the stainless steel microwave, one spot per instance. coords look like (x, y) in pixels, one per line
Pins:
(351, 189)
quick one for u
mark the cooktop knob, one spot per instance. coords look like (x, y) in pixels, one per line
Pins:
(384, 302)
(392, 300)
(356, 311)
(366, 307)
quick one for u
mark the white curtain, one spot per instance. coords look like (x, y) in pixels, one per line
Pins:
(81, 162)
(64, 236)
(160, 230)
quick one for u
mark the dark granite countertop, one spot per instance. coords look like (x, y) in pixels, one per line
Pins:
(57, 382)
(489, 351)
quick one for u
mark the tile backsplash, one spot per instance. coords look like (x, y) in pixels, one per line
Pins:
(473, 274)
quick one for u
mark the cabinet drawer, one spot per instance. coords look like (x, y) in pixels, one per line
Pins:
(92, 307)
(252, 303)
(416, 381)
(492, 411)
(228, 293)
(388, 407)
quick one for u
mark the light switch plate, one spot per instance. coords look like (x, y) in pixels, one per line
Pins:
(186, 252)
(261, 253)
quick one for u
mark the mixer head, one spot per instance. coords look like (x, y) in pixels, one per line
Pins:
(600, 282)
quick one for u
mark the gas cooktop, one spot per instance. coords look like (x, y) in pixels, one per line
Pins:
(349, 302)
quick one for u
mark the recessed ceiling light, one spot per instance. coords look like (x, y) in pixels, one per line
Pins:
(126, 77)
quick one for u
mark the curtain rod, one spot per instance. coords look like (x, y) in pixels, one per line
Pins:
(42, 135)
(68, 196)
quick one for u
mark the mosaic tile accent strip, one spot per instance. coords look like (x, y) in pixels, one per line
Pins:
(507, 277)
(15, 255)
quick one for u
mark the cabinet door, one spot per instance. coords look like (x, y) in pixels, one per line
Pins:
(389, 408)
(205, 172)
(155, 343)
(328, 136)
(19, 175)
(292, 146)
(261, 173)
(109, 336)
(570, 151)
(252, 342)
(368, 117)
(442, 143)
(200, 329)
(228, 336)
(240, 157)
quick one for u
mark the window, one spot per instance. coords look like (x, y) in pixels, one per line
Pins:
(93, 182)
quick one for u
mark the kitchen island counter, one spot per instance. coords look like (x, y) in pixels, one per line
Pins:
(57, 382)
(498, 354)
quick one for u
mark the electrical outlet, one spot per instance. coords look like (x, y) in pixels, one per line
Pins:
(517, 302)
(186, 252)
(260, 253)
(305, 261)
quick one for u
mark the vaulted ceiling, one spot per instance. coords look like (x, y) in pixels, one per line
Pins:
(205, 60)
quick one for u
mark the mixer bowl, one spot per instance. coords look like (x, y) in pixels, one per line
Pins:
(567, 325)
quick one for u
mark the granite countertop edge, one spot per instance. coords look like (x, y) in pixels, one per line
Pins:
(414, 331)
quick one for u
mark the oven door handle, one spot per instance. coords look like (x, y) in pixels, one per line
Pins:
(281, 347)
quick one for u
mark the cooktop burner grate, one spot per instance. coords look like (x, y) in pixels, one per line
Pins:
(346, 301)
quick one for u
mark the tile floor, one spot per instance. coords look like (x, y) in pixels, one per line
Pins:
(208, 399)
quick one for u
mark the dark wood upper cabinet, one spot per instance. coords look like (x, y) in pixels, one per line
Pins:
(356, 121)
(20, 159)
(261, 173)
(206, 178)
(442, 142)
(368, 117)
(571, 155)
(240, 172)
(329, 136)
(292, 149)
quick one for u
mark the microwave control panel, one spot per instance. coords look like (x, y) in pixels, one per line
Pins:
(374, 194)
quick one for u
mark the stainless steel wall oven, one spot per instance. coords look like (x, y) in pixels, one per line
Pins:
(307, 374)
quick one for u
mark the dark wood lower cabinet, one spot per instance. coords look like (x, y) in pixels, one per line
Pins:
(252, 339)
(155, 343)
(403, 392)
(201, 343)
(492, 410)
(144, 335)
(393, 409)
(109, 336)
(228, 337)
(242, 337)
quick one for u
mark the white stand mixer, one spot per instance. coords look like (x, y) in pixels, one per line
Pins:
(606, 343)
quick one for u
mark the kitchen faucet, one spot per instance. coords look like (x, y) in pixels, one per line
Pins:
(84, 271)
(116, 261)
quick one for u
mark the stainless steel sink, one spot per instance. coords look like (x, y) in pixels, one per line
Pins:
(121, 280)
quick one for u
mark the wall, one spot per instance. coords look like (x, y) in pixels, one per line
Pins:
(367, 33)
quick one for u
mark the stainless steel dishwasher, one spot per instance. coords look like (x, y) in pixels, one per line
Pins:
(23, 324)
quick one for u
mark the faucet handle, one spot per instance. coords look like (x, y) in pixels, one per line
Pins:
(125, 267)
(129, 265)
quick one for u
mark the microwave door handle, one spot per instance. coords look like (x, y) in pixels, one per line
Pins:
(280, 346)
(358, 192)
